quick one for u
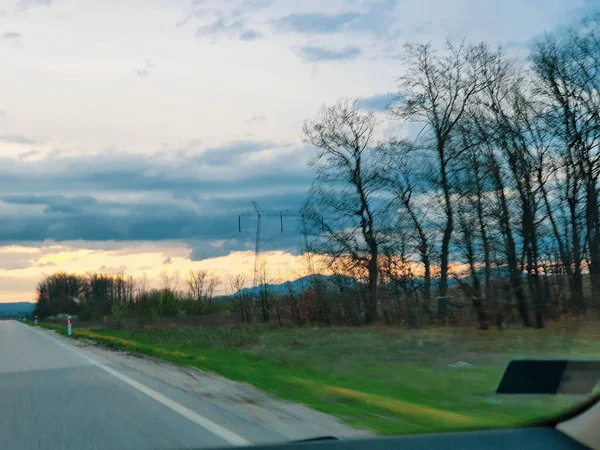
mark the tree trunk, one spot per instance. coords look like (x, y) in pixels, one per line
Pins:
(576, 278)
(511, 252)
(593, 238)
(445, 250)
(540, 297)
(427, 285)
(371, 306)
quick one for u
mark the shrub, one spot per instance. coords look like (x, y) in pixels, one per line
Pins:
(119, 309)
(167, 303)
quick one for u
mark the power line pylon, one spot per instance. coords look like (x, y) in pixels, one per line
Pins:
(259, 213)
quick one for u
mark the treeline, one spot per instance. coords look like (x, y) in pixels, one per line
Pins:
(95, 296)
(495, 185)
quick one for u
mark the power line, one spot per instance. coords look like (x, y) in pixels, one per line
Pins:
(259, 213)
(214, 252)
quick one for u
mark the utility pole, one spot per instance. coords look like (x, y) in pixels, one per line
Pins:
(259, 213)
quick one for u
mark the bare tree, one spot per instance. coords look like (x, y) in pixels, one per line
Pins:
(264, 279)
(196, 281)
(142, 286)
(436, 91)
(169, 282)
(237, 285)
(201, 285)
(412, 204)
(503, 217)
(568, 75)
(343, 206)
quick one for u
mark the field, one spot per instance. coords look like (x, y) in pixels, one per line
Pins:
(388, 380)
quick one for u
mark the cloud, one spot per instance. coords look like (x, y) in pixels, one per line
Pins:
(24, 4)
(28, 154)
(317, 54)
(219, 26)
(52, 203)
(315, 22)
(12, 39)
(16, 139)
(255, 5)
(168, 260)
(226, 153)
(11, 35)
(144, 72)
(377, 103)
(226, 18)
(376, 19)
(254, 119)
(47, 264)
(250, 35)
(176, 195)
(194, 143)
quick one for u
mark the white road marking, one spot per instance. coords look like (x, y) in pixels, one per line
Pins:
(227, 435)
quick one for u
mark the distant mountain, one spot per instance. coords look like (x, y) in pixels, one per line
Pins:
(302, 284)
(298, 286)
(10, 309)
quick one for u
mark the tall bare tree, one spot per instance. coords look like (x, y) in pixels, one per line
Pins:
(201, 285)
(343, 205)
(237, 285)
(436, 91)
(568, 72)
(402, 178)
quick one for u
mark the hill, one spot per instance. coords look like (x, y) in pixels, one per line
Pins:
(297, 286)
(11, 309)
(302, 284)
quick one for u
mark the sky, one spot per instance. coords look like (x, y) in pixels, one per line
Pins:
(133, 133)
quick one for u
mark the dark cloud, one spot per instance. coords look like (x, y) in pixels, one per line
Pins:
(168, 260)
(16, 139)
(377, 103)
(317, 54)
(11, 35)
(114, 196)
(315, 22)
(250, 35)
(53, 203)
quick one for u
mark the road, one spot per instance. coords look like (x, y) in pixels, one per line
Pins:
(57, 396)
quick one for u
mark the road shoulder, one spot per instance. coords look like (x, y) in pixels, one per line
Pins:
(261, 417)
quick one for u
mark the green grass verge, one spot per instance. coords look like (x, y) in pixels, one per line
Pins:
(390, 381)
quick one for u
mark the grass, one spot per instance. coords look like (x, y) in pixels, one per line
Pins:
(388, 380)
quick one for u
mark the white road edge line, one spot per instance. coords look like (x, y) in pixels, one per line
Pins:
(223, 433)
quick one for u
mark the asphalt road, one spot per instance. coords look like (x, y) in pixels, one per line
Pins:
(56, 396)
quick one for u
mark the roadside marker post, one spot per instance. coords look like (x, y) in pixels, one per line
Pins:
(69, 326)
(35, 320)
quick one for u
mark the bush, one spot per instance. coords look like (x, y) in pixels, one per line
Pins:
(167, 303)
(119, 309)
(193, 307)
